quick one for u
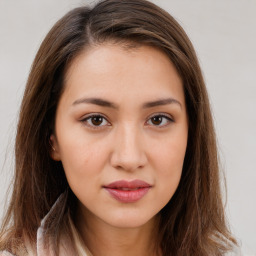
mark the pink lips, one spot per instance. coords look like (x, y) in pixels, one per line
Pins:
(128, 191)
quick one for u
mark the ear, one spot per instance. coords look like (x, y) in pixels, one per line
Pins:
(54, 150)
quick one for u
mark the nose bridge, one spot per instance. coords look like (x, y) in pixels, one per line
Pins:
(128, 153)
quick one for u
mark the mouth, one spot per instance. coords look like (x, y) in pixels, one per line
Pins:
(128, 191)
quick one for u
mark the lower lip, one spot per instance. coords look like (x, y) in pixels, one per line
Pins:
(128, 196)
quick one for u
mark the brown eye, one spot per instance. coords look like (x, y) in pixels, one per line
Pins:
(159, 120)
(95, 121)
(156, 120)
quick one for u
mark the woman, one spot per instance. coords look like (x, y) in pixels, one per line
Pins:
(115, 147)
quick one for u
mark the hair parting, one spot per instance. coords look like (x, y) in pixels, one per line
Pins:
(193, 222)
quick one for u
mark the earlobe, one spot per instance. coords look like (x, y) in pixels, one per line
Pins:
(54, 148)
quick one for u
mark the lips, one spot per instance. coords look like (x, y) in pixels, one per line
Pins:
(128, 191)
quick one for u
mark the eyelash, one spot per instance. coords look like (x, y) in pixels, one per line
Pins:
(89, 118)
(168, 119)
(92, 126)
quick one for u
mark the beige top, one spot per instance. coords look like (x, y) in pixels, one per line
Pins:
(67, 247)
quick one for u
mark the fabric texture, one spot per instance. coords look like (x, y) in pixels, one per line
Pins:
(66, 247)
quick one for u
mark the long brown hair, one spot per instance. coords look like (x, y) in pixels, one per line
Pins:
(193, 222)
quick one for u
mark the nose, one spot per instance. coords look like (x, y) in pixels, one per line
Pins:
(128, 149)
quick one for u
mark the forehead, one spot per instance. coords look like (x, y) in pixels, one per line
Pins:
(122, 69)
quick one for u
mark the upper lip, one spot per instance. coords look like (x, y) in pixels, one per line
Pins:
(128, 184)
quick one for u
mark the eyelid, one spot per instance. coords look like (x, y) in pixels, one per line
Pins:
(91, 115)
(165, 115)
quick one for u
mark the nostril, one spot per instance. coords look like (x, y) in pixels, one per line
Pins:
(128, 152)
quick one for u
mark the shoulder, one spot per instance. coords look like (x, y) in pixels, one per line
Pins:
(5, 253)
(21, 252)
(235, 252)
(18, 247)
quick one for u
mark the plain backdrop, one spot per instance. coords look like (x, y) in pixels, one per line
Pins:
(224, 36)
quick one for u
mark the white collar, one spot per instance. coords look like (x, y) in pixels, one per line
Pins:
(67, 248)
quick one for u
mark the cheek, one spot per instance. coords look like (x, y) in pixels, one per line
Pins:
(169, 170)
(168, 158)
(83, 168)
(82, 157)
(169, 154)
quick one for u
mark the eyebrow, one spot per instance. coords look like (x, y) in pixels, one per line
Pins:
(96, 101)
(105, 103)
(161, 102)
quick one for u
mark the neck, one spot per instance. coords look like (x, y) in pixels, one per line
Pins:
(102, 239)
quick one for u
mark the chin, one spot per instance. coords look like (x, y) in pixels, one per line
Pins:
(129, 220)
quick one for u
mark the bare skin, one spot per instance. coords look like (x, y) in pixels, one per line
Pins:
(121, 117)
(135, 241)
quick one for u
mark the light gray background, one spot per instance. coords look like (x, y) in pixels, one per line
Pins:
(224, 35)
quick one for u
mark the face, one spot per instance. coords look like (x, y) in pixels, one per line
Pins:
(121, 133)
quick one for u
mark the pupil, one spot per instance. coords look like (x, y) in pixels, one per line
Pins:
(157, 120)
(97, 120)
